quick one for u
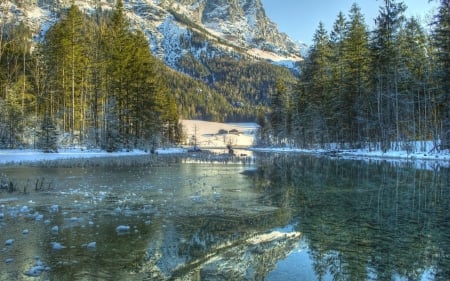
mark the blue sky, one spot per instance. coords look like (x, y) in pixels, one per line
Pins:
(300, 18)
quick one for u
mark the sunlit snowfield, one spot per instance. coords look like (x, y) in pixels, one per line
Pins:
(264, 217)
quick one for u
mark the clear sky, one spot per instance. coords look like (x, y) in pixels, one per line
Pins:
(300, 18)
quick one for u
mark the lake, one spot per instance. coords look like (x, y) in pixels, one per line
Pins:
(269, 217)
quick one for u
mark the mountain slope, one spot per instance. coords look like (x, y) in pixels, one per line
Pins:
(236, 25)
(209, 40)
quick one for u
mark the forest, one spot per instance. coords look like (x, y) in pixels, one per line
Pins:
(379, 89)
(92, 80)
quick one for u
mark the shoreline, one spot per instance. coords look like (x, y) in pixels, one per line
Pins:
(30, 156)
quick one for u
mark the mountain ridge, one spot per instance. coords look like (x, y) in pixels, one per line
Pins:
(232, 77)
(239, 26)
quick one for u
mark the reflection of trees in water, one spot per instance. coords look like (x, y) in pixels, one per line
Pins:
(365, 221)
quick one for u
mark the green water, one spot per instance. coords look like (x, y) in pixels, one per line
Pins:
(282, 217)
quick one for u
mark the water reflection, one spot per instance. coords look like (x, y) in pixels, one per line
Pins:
(366, 221)
(277, 218)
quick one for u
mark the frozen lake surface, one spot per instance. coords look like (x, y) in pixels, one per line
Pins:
(271, 218)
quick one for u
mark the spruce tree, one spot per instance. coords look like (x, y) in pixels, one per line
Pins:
(414, 69)
(66, 48)
(340, 108)
(119, 49)
(314, 96)
(47, 136)
(358, 94)
(279, 113)
(386, 58)
(442, 41)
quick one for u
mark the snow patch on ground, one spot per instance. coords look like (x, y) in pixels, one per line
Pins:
(274, 57)
(219, 135)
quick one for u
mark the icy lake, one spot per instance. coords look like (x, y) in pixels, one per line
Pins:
(271, 217)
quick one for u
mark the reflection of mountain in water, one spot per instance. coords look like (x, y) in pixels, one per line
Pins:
(220, 247)
(251, 260)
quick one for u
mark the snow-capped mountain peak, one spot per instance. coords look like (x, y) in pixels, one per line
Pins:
(238, 26)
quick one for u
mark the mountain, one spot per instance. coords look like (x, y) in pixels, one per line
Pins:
(231, 45)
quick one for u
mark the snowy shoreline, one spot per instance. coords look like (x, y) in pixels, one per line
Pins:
(239, 135)
(364, 153)
(17, 156)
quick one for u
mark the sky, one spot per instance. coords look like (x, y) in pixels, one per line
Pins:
(300, 18)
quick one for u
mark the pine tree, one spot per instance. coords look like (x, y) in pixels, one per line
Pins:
(66, 47)
(340, 107)
(358, 98)
(279, 114)
(414, 70)
(442, 41)
(48, 136)
(119, 49)
(386, 58)
(314, 90)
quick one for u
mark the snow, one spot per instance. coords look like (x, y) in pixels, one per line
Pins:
(390, 154)
(276, 58)
(207, 133)
(11, 156)
(219, 135)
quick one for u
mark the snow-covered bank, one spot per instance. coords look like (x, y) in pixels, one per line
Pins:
(16, 156)
(28, 155)
(364, 153)
(421, 160)
(361, 152)
(219, 135)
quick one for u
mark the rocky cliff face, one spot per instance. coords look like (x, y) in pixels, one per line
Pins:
(180, 28)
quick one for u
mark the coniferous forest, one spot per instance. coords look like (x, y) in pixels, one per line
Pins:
(379, 88)
(93, 80)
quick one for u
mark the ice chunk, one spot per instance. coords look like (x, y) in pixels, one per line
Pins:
(55, 229)
(39, 217)
(36, 271)
(122, 228)
(57, 246)
(92, 245)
